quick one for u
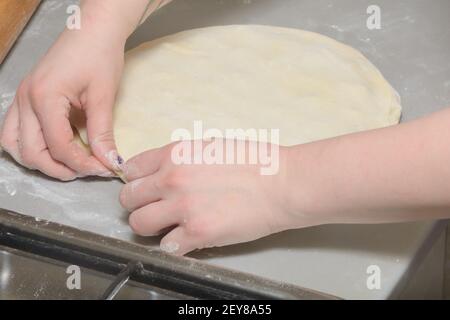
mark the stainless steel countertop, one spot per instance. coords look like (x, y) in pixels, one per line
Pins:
(412, 50)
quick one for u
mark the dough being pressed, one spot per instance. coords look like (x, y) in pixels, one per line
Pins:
(308, 86)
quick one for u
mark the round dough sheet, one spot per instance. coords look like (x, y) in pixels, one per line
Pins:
(308, 86)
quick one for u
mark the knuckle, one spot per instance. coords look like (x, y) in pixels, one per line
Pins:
(106, 136)
(173, 179)
(173, 151)
(28, 158)
(37, 91)
(186, 204)
(124, 196)
(158, 186)
(197, 228)
(57, 153)
(7, 142)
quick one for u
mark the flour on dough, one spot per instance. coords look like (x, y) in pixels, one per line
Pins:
(308, 86)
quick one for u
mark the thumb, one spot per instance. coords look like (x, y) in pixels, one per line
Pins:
(100, 132)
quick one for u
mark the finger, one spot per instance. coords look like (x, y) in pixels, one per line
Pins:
(154, 218)
(144, 164)
(179, 242)
(141, 192)
(100, 132)
(33, 150)
(10, 132)
(57, 131)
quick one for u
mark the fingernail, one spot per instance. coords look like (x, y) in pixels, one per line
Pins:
(129, 169)
(115, 160)
(68, 179)
(170, 247)
(107, 174)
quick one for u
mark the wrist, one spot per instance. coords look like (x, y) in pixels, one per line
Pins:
(305, 205)
(100, 29)
(114, 19)
(289, 198)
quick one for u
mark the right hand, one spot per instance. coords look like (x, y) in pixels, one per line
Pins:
(81, 70)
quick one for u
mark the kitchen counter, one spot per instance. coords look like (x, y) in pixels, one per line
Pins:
(412, 50)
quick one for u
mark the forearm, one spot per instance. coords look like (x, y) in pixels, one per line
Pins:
(400, 173)
(117, 18)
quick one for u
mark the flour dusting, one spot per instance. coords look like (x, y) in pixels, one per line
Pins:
(65, 203)
(40, 24)
(6, 99)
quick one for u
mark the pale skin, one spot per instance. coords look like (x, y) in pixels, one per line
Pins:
(394, 174)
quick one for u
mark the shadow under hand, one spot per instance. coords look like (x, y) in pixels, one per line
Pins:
(386, 239)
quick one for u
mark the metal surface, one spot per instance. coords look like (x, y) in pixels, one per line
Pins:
(31, 277)
(411, 49)
(61, 244)
(121, 280)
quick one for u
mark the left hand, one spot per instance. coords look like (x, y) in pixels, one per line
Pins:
(203, 205)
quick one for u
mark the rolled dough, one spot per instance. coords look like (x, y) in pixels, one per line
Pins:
(308, 86)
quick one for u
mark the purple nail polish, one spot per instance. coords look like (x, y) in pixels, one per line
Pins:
(116, 161)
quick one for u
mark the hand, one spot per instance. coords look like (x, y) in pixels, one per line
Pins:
(205, 205)
(82, 70)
